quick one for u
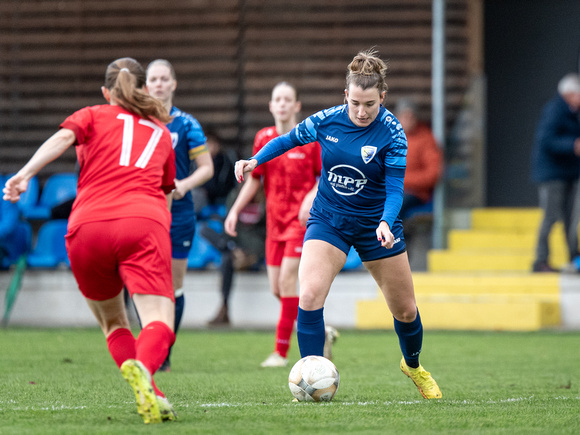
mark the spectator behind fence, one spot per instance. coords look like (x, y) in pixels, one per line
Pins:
(424, 158)
(555, 168)
(213, 196)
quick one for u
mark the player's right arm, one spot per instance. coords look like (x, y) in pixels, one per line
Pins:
(50, 150)
(247, 192)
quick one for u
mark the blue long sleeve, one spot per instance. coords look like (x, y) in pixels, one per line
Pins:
(276, 147)
(394, 189)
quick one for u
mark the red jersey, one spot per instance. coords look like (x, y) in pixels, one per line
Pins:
(287, 179)
(127, 165)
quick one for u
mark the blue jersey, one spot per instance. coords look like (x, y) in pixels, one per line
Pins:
(363, 168)
(188, 143)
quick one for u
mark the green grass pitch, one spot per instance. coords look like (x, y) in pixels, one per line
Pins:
(63, 381)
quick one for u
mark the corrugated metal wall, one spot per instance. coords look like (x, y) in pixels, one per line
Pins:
(227, 53)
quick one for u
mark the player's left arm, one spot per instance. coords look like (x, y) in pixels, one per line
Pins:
(200, 176)
(395, 164)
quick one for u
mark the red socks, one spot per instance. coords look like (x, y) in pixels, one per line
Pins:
(121, 344)
(150, 348)
(288, 314)
(153, 345)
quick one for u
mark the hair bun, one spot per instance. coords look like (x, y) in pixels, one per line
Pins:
(367, 70)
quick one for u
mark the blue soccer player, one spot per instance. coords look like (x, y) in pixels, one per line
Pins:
(360, 194)
(189, 143)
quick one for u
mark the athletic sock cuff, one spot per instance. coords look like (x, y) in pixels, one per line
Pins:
(409, 326)
(166, 330)
(119, 333)
(312, 316)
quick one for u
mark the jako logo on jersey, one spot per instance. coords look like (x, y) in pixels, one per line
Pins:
(332, 139)
(368, 152)
(346, 180)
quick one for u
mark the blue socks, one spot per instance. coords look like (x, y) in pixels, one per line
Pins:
(179, 306)
(410, 340)
(310, 332)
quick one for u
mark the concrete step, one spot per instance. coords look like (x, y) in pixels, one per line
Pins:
(506, 302)
(487, 283)
(507, 219)
(498, 260)
(477, 313)
(494, 239)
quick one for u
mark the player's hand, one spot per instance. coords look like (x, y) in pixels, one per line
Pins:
(14, 187)
(243, 166)
(385, 236)
(180, 189)
(230, 224)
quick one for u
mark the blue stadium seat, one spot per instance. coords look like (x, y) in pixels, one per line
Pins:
(20, 242)
(202, 252)
(353, 261)
(50, 249)
(15, 234)
(29, 198)
(57, 189)
(213, 211)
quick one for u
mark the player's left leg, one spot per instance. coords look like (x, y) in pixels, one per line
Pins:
(393, 275)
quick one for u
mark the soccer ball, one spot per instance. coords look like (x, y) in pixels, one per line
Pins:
(314, 379)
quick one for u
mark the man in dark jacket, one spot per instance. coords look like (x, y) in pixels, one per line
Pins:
(556, 167)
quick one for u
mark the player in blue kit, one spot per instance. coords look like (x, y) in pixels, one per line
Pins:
(358, 201)
(189, 143)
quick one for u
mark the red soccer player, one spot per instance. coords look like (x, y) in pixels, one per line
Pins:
(290, 184)
(118, 231)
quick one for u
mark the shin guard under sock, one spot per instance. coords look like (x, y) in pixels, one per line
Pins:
(153, 345)
(410, 339)
(121, 344)
(310, 332)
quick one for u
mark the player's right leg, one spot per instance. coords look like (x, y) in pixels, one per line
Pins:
(319, 265)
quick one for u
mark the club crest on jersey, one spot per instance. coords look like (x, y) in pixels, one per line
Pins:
(368, 152)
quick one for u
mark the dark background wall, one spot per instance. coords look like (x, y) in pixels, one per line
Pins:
(529, 46)
(227, 54)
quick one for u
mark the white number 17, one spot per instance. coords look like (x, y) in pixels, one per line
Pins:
(128, 140)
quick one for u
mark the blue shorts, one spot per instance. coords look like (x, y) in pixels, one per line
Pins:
(344, 231)
(182, 232)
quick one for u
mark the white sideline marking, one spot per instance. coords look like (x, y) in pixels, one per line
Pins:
(6, 405)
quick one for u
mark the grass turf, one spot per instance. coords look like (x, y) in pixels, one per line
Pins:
(63, 381)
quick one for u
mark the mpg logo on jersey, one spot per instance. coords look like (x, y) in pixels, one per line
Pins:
(368, 152)
(346, 180)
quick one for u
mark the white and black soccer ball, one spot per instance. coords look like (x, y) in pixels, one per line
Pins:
(314, 379)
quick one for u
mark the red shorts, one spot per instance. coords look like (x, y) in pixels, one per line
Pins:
(276, 250)
(135, 252)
